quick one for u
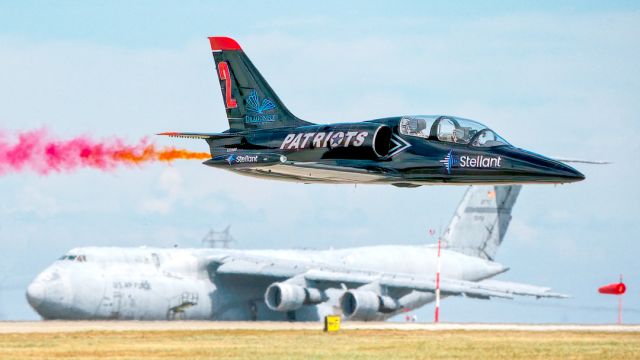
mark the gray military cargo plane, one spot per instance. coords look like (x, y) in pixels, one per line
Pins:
(365, 283)
(266, 140)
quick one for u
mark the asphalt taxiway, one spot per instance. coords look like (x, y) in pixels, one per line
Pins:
(7, 327)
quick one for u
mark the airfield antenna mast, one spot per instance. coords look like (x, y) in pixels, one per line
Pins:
(217, 239)
(437, 318)
(437, 313)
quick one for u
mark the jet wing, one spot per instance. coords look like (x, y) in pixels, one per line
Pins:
(327, 276)
(342, 170)
(361, 167)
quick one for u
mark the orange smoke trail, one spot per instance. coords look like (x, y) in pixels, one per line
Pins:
(40, 152)
(149, 153)
(170, 154)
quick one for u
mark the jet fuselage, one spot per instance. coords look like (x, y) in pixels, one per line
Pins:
(376, 152)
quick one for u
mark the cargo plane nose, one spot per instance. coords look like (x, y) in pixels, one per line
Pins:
(49, 294)
(36, 294)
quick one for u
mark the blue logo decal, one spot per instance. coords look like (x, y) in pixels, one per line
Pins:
(231, 158)
(254, 105)
(448, 161)
(259, 108)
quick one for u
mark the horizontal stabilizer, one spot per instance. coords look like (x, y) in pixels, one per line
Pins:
(205, 136)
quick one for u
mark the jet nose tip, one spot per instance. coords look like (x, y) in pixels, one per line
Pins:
(36, 293)
(572, 174)
(578, 176)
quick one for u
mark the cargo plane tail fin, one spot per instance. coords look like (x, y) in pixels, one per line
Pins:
(481, 220)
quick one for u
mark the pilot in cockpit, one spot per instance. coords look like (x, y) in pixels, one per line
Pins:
(415, 127)
(451, 129)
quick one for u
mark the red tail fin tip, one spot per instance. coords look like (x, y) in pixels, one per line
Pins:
(219, 43)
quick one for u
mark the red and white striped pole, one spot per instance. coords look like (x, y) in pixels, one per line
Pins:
(620, 304)
(619, 309)
(437, 315)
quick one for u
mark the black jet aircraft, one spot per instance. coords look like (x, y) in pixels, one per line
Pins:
(266, 140)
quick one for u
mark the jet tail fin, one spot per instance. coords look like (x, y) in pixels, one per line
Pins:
(481, 220)
(250, 102)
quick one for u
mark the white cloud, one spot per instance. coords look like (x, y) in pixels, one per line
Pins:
(520, 231)
(171, 185)
(32, 201)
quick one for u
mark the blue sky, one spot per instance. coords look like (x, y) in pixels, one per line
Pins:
(560, 78)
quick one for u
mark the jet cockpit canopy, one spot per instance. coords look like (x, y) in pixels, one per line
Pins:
(450, 129)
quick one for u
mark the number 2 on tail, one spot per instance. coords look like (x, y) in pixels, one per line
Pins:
(223, 72)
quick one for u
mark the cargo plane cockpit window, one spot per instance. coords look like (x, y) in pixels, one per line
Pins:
(78, 258)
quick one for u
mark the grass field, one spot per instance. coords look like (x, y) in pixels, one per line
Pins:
(307, 344)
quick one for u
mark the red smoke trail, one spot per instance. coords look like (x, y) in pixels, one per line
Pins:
(38, 151)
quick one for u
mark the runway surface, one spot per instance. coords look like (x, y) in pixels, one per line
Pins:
(7, 327)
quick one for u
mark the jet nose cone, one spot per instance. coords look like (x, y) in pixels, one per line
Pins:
(574, 174)
(566, 172)
(543, 169)
(36, 293)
